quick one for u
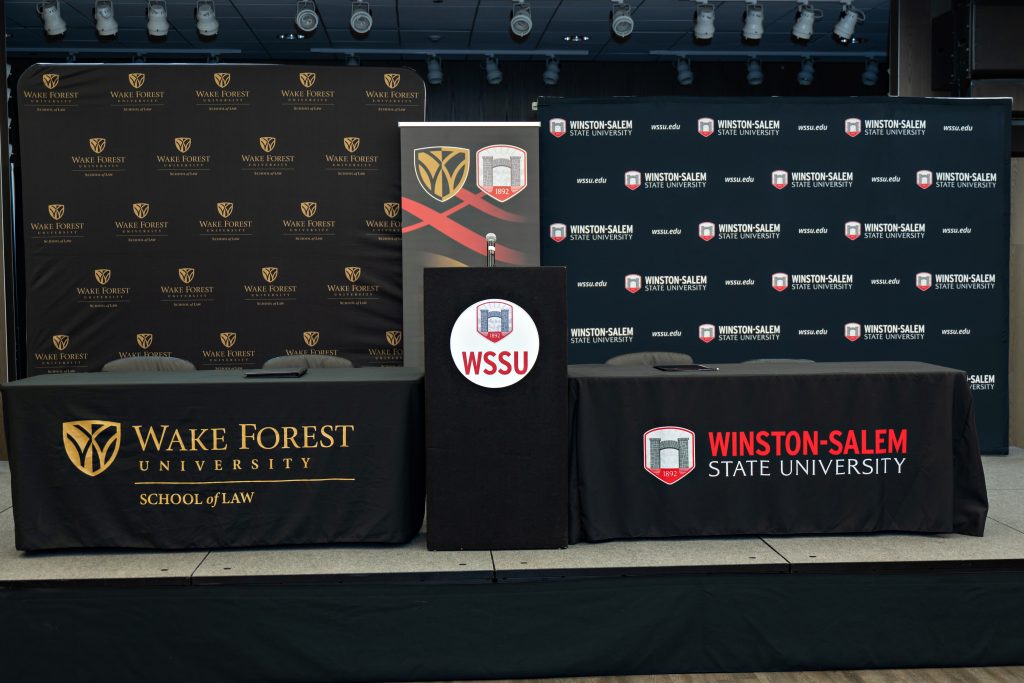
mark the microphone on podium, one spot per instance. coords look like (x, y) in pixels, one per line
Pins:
(491, 245)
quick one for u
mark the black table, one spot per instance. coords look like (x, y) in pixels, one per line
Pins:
(213, 459)
(773, 448)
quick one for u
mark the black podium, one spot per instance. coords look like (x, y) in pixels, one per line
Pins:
(497, 456)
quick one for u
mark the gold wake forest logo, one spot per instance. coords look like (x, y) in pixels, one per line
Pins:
(226, 227)
(51, 81)
(136, 97)
(306, 226)
(311, 338)
(56, 211)
(47, 95)
(91, 445)
(142, 229)
(387, 225)
(270, 292)
(307, 97)
(268, 163)
(57, 230)
(391, 97)
(441, 171)
(183, 164)
(228, 353)
(220, 97)
(350, 163)
(144, 342)
(58, 356)
(355, 291)
(105, 295)
(98, 164)
(391, 352)
(186, 292)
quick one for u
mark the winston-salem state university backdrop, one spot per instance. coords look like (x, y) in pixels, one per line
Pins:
(825, 229)
(461, 181)
(223, 214)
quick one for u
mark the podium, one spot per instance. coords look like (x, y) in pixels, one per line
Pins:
(496, 408)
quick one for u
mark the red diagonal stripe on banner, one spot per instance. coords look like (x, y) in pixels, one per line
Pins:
(477, 202)
(460, 233)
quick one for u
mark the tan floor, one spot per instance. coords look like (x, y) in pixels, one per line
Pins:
(1010, 674)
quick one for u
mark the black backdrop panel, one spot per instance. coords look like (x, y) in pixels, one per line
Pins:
(726, 267)
(224, 213)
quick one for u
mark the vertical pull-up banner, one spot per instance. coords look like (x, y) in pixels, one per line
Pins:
(823, 229)
(461, 181)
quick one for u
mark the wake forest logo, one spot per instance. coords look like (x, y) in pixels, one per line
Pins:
(501, 171)
(350, 163)
(391, 209)
(58, 356)
(187, 292)
(102, 275)
(51, 81)
(186, 275)
(308, 228)
(56, 211)
(392, 97)
(56, 230)
(183, 144)
(226, 229)
(137, 80)
(387, 226)
(220, 98)
(140, 209)
(91, 445)
(355, 291)
(61, 341)
(144, 342)
(183, 164)
(98, 144)
(392, 81)
(311, 339)
(137, 98)
(48, 96)
(268, 163)
(227, 353)
(307, 97)
(142, 229)
(441, 171)
(353, 273)
(393, 337)
(494, 343)
(351, 144)
(308, 209)
(269, 273)
(270, 292)
(98, 164)
(669, 453)
(228, 339)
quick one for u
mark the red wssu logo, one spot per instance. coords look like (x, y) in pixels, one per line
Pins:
(494, 343)
(669, 453)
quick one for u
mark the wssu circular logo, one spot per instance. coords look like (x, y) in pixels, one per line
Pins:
(494, 343)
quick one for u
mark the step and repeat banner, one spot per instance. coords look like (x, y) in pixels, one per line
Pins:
(824, 229)
(461, 181)
(224, 214)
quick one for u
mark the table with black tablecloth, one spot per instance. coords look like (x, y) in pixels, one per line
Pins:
(773, 448)
(215, 459)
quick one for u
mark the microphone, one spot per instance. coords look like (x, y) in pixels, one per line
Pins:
(491, 246)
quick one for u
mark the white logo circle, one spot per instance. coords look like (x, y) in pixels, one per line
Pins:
(494, 343)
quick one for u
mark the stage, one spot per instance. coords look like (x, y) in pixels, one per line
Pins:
(322, 613)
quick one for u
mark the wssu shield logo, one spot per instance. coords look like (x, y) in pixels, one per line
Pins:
(706, 333)
(852, 331)
(391, 209)
(557, 232)
(269, 273)
(501, 171)
(634, 283)
(102, 275)
(353, 273)
(268, 143)
(222, 79)
(351, 144)
(91, 445)
(494, 320)
(51, 81)
(394, 337)
(56, 211)
(925, 179)
(144, 340)
(923, 281)
(225, 209)
(441, 171)
(140, 209)
(632, 180)
(706, 230)
(392, 80)
(557, 127)
(136, 80)
(311, 337)
(780, 281)
(308, 209)
(852, 127)
(60, 341)
(228, 339)
(307, 79)
(97, 145)
(183, 144)
(186, 275)
(669, 453)
(853, 230)
(780, 179)
(706, 126)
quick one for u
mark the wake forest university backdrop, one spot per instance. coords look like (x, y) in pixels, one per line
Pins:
(223, 214)
(827, 229)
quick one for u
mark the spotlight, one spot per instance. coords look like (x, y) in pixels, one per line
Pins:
(684, 74)
(847, 24)
(520, 23)
(493, 73)
(551, 71)
(53, 23)
(103, 12)
(435, 76)
(352, 60)
(156, 18)
(753, 24)
(803, 27)
(806, 74)
(754, 74)
(704, 22)
(206, 18)
(361, 19)
(870, 75)
(306, 18)
(622, 22)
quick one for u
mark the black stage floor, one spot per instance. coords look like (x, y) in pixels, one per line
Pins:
(404, 613)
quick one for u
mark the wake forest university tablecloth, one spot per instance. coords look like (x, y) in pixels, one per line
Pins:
(773, 448)
(213, 459)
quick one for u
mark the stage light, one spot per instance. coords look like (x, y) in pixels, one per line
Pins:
(803, 27)
(622, 22)
(849, 17)
(361, 19)
(306, 18)
(753, 23)
(156, 18)
(492, 71)
(870, 75)
(806, 74)
(435, 76)
(684, 74)
(754, 74)
(206, 18)
(53, 22)
(520, 23)
(552, 71)
(352, 60)
(103, 13)
(704, 22)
